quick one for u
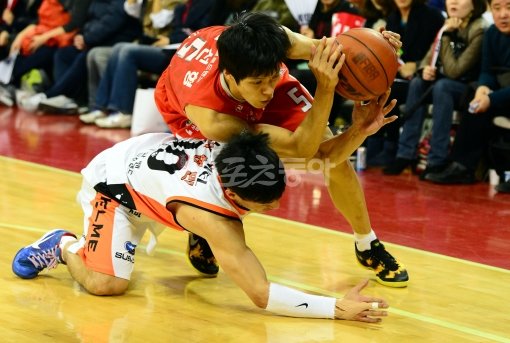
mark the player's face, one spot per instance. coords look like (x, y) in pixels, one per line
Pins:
(256, 206)
(250, 205)
(501, 14)
(403, 4)
(258, 91)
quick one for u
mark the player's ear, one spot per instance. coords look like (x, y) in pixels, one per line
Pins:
(228, 76)
(230, 193)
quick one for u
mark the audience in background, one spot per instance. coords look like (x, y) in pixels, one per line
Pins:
(443, 80)
(492, 98)
(16, 15)
(98, 57)
(113, 105)
(223, 11)
(417, 25)
(107, 24)
(279, 11)
(321, 26)
(58, 21)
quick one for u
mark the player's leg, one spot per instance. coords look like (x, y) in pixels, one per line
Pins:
(347, 195)
(103, 259)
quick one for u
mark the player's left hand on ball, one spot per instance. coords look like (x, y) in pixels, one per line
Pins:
(370, 116)
(355, 306)
(325, 63)
(393, 38)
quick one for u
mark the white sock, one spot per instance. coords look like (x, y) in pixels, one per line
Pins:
(63, 241)
(363, 240)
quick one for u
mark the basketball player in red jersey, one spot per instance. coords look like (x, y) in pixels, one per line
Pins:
(223, 80)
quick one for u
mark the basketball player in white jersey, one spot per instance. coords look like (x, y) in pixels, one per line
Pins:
(200, 186)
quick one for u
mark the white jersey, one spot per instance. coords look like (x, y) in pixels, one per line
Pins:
(148, 172)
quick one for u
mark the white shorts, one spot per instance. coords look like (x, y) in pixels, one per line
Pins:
(111, 233)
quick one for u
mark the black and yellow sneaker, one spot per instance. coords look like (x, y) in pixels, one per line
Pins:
(201, 257)
(387, 270)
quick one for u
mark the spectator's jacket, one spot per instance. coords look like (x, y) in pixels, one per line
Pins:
(188, 18)
(107, 24)
(418, 34)
(459, 57)
(495, 72)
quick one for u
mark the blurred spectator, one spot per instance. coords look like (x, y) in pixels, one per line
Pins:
(279, 11)
(321, 26)
(375, 12)
(499, 152)
(492, 98)
(439, 4)
(115, 95)
(223, 11)
(417, 25)
(107, 23)
(16, 15)
(143, 10)
(447, 79)
(55, 28)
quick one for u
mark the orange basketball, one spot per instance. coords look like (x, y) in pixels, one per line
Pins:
(370, 64)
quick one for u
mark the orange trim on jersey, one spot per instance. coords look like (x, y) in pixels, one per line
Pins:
(153, 209)
(207, 206)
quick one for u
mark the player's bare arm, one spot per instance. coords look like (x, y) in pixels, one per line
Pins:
(215, 125)
(304, 142)
(227, 240)
(327, 59)
(367, 119)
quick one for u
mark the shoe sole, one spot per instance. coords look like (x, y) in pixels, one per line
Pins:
(90, 122)
(113, 126)
(393, 284)
(55, 110)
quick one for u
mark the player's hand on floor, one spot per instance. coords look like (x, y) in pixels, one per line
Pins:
(358, 307)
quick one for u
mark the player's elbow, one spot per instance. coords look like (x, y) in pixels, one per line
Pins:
(260, 295)
(303, 151)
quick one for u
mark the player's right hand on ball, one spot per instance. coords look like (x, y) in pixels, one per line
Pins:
(325, 63)
(357, 307)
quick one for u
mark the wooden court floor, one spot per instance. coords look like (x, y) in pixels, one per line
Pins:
(447, 300)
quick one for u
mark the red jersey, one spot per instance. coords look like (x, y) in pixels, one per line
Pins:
(193, 78)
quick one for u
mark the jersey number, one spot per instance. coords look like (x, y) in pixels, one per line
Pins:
(300, 99)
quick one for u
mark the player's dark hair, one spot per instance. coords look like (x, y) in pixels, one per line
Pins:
(250, 168)
(255, 45)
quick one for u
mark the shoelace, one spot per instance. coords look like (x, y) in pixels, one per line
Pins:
(46, 258)
(380, 254)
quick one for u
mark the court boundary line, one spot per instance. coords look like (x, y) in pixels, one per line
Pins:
(426, 319)
(41, 166)
(403, 247)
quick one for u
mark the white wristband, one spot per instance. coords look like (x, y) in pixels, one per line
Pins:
(293, 303)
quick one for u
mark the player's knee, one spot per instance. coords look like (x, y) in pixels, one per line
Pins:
(106, 285)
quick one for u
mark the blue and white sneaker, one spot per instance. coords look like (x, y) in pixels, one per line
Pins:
(44, 253)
